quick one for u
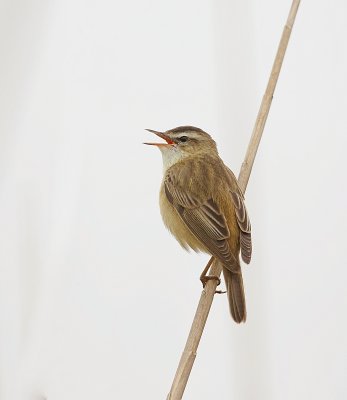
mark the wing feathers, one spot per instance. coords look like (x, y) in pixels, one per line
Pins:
(241, 212)
(244, 225)
(213, 235)
(204, 219)
(246, 247)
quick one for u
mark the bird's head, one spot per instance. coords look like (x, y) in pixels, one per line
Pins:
(182, 142)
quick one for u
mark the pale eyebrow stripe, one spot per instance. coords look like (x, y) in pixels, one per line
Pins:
(191, 134)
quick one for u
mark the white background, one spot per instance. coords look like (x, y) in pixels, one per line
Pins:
(96, 298)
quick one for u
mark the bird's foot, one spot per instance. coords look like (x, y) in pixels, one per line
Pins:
(206, 278)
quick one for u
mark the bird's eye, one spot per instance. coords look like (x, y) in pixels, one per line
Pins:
(183, 139)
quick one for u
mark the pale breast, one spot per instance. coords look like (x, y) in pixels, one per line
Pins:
(176, 226)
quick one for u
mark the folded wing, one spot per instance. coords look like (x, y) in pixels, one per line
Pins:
(204, 220)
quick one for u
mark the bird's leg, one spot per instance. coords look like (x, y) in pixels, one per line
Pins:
(204, 277)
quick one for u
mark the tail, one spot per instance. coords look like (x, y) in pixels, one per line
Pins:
(236, 295)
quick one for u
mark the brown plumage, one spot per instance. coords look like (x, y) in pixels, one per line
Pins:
(203, 207)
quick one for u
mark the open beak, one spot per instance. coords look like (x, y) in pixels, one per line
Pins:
(162, 135)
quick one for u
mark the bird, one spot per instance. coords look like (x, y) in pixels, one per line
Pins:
(203, 206)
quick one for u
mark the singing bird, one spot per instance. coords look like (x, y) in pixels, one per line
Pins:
(203, 207)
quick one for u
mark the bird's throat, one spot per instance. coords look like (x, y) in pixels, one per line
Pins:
(171, 155)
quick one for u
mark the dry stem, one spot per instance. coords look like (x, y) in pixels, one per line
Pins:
(203, 309)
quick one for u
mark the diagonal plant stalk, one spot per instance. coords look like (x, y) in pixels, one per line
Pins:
(189, 353)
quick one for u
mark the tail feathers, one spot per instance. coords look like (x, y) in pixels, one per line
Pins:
(236, 295)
